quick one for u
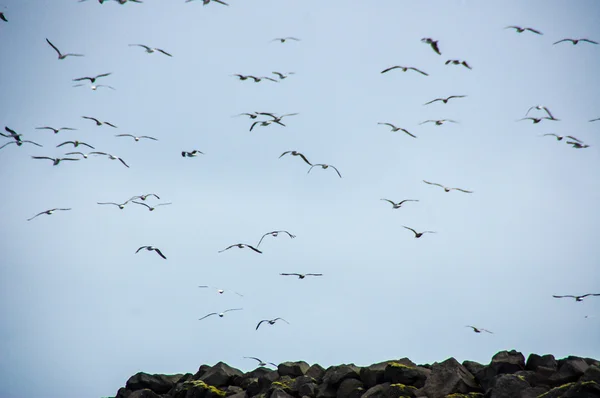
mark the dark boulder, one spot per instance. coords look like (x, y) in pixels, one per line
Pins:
(201, 370)
(587, 389)
(398, 373)
(306, 386)
(504, 362)
(293, 369)
(591, 374)
(144, 393)
(220, 375)
(534, 361)
(472, 366)
(400, 390)
(374, 374)
(239, 395)
(350, 388)
(196, 389)
(533, 392)
(570, 370)
(123, 393)
(378, 391)
(334, 375)
(326, 391)
(277, 393)
(317, 372)
(284, 383)
(265, 381)
(232, 390)
(446, 378)
(160, 384)
(508, 386)
(251, 386)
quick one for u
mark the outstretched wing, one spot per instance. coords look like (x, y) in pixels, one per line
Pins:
(534, 31)
(336, 170)
(433, 183)
(160, 253)
(420, 71)
(163, 51)
(206, 316)
(54, 47)
(253, 248)
(292, 274)
(389, 69)
(462, 190)
(568, 295)
(415, 232)
(259, 323)
(277, 319)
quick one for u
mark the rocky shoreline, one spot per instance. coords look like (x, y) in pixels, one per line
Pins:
(508, 375)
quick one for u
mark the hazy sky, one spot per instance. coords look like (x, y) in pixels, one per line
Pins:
(81, 312)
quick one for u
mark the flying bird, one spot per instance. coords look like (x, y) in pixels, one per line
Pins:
(432, 43)
(83, 155)
(575, 41)
(541, 108)
(242, 77)
(151, 208)
(150, 50)
(55, 161)
(3, 17)
(136, 139)
(577, 298)
(241, 246)
(144, 197)
(458, 62)
(119, 205)
(300, 276)
(48, 212)
(578, 145)
(274, 234)
(191, 154)
(594, 120)
(404, 69)
(324, 166)
(439, 122)
(11, 134)
(271, 322)
(419, 234)
(538, 119)
(220, 291)
(519, 29)
(92, 79)
(276, 119)
(251, 115)
(445, 100)
(152, 248)
(95, 87)
(60, 55)
(98, 122)
(111, 157)
(447, 189)
(264, 123)
(261, 363)
(222, 313)
(478, 330)
(399, 204)
(75, 144)
(394, 128)
(20, 142)
(53, 129)
(560, 137)
(284, 39)
(282, 76)
(258, 79)
(296, 153)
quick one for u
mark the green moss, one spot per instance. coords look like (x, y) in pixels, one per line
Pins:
(399, 365)
(402, 386)
(469, 395)
(204, 386)
(521, 377)
(285, 384)
(555, 389)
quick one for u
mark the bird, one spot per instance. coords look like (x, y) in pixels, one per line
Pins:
(594, 120)
(3, 17)
(119, 205)
(251, 115)
(445, 100)
(284, 39)
(220, 314)
(577, 298)
(519, 29)
(538, 119)
(394, 128)
(242, 77)
(150, 50)
(264, 123)
(404, 69)
(92, 79)
(20, 142)
(75, 144)
(324, 166)
(144, 197)
(432, 43)
(458, 62)
(111, 157)
(151, 208)
(48, 212)
(55, 161)
(271, 322)
(439, 122)
(447, 189)
(300, 276)
(98, 122)
(258, 79)
(191, 154)
(261, 363)
(136, 139)
(95, 87)
(578, 145)
(53, 129)
(11, 134)
(419, 234)
(205, 2)
(478, 330)
(540, 107)
(399, 204)
(151, 248)
(575, 41)
(83, 155)
(60, 55)
(220, 291)
(296, 153)
(560, 137)
(277, 119)
(282, 76)
(274, 234)
(241, 246)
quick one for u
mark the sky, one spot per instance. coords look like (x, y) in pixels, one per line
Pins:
(81, 312)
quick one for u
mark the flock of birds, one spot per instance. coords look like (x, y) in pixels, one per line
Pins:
(264, 119)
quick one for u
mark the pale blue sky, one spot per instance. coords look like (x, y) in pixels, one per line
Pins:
(81, 312)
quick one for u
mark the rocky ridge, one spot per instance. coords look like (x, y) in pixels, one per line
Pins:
(508, 375)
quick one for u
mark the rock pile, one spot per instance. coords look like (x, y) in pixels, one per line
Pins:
(508, 375)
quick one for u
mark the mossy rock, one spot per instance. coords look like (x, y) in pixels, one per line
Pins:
(402, 390)
(561, 390)
(399, 365)
(208, 390)
(469, 395)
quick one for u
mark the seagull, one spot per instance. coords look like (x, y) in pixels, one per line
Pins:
(261, 363)
(56, 161)
(151, 248)
(265, 123)
(394, 128)
(48, 212)
(282, 76)
(19, 143)
(578, 298)
(419, 234)
(75, 144)
(283, 39)
(274, 234)
(222, 313)
(53, 129)
(91, 79)
(404, 69)
(136, 138)
(458, 62)
(111, 157)
(301, 276)
(241, 246)
(324, 166)
(478, 330)
(271, 322)
(295, 153)
(78, 153)
(445, 100)
(242, 77)
(276, 119)
(192, 154)
(439, 122)
(98, 122)
(95, 87)
(594, 120)
(12, 134)
(521, 30)
(258, 79)
(538, 119)
(560, 137)
(541, 107)
(577, 145)
(150, 207)
(63, 56)
(399, 204)
(447, 189)
(119, 205)
(251, 115)
(2, 17)
(432, 43)
(144, 197)
(220, 291)
(150, 50)
(575, 41)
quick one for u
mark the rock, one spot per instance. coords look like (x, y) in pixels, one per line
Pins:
(534, 361)
(533, 392)
(504, 362)
(378, 391)
(144, 393)
(251, 386)
(277, 393)
(220, 375)
(570, 370)
(123, 393)
(508, 386)
(196, 389)
(265, 381)
(160, 384)
(591, 374)
(350, 388)
(201, 370)
(293, 369)
(472, 366)
(374, 374)
(285, 383)
(239, 395)
(317, 372)
(398, 373)
(326, 391)
(334, 375)
(400, 390)
(232, 390)
(305, 386)
(587, 389)
(446, 378)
